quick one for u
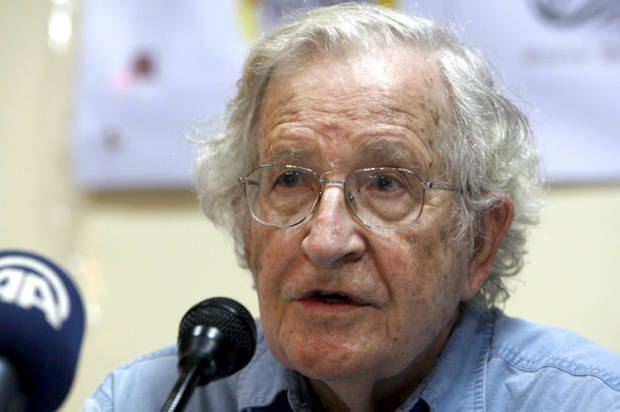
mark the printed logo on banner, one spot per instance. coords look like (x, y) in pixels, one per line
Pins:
(578, 12)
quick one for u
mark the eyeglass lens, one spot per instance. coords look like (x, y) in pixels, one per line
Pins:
(378, 197)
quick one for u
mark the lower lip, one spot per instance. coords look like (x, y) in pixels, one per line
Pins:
(318, 308)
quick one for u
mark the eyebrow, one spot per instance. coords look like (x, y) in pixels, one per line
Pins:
(375, 152)
(286, 154)
(390, 153)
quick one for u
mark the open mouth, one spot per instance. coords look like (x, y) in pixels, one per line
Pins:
(332, 298)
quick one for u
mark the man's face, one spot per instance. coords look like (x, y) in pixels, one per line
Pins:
(403, 286)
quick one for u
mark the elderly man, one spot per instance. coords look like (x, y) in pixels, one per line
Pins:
(379, 189)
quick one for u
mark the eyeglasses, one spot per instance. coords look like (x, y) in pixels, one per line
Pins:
(378, 197)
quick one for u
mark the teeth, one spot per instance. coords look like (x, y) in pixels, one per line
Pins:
(331, 297)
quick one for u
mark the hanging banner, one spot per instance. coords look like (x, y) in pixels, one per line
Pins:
(149, 71)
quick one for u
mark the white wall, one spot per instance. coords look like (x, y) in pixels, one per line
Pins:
(141, 259)
(572, 277)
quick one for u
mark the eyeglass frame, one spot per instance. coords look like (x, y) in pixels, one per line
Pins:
(426, 185)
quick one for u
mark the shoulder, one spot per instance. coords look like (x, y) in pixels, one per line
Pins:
(147, 378)
(533, 365)
(145, 383)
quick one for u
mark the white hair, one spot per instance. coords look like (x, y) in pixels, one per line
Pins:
(489, 148)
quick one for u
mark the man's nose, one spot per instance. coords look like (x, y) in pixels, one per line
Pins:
(335, 237)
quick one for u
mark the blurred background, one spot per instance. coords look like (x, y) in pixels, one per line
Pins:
(98, 98)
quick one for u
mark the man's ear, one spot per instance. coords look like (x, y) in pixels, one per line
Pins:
(494, 223)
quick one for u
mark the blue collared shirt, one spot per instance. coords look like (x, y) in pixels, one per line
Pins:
(491, 362)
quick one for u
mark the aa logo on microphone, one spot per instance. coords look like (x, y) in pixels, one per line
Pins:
(31, 282)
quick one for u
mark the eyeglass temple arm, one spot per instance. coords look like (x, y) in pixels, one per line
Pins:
(440, 186)
(243, 180)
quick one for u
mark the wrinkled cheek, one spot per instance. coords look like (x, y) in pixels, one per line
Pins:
(272, 249)
(272, 331)
(271, 312)
(283, 335)
(268, 288)
(423, 279)
(273, 254)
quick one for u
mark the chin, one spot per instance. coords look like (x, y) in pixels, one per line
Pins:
(327, 361)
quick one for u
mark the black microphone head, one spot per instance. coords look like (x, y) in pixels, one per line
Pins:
(41, 326)
(233, 321)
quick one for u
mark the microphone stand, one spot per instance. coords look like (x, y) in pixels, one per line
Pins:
(203, 357)
(182, 390)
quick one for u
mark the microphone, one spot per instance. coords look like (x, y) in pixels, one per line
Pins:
(41, 329)
(217, 337)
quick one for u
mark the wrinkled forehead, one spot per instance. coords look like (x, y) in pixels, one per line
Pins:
(384, 100)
